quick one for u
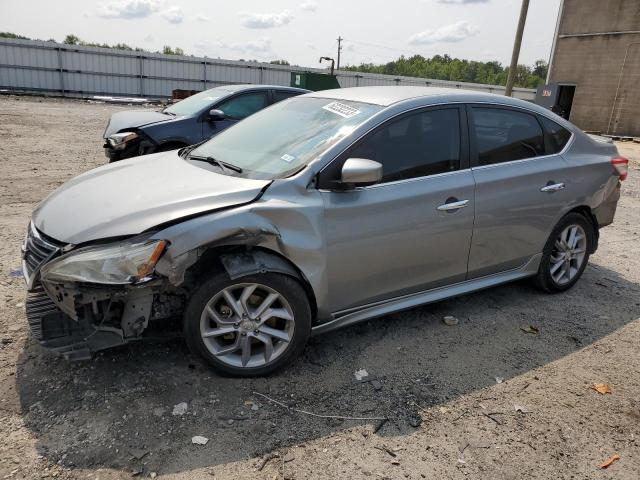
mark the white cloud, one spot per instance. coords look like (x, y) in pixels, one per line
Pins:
(148, 38)
(173, 15)
(129, 9)
(202, 18)
(455, 32)
(265, 20)
(258, 46)
(309, 5)
(311, 46)
(461, 2)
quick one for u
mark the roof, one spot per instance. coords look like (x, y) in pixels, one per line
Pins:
(241, 87)
(388, 95)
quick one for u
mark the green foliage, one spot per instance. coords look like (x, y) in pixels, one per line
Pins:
(13, 35)
(167, 50)
(443, 67)
(71, 40)
(279, 62)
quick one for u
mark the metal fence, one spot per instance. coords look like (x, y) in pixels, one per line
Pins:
(71, 70)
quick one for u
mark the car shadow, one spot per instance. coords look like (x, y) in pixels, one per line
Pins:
(116, 410)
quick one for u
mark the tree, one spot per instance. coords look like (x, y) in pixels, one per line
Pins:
(540, 68)
(279, 62)
(167, 50)
(71, 40)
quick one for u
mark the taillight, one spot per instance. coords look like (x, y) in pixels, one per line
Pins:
(621, 165)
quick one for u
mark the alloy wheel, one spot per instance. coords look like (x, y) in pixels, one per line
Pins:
(247, 325)
(568, 254)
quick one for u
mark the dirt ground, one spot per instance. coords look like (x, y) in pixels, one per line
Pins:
(481, 399)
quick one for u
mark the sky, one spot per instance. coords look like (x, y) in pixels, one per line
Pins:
(299, 31)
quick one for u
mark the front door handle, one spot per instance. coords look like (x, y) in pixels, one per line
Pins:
(455, 205)
(554, 187)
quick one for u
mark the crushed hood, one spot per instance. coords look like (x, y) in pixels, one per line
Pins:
(134, 195)
(134, 119)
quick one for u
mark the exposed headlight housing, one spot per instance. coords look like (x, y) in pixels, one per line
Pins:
(118, 141)
(120, 264)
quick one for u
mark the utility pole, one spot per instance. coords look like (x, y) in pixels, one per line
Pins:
(340, 39)
(516, 48)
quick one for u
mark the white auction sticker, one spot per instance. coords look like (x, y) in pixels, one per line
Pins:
(287, 158)
(341, 109)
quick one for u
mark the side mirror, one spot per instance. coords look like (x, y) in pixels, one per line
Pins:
(215, 115)
(360, 172)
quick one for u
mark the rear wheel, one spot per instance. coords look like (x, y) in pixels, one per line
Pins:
(250, 326)
(566, 254)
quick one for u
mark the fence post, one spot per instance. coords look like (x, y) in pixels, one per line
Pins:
(60, 69)
(204, 72)
(140, 69)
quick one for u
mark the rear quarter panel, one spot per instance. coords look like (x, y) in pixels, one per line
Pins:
(593, 179)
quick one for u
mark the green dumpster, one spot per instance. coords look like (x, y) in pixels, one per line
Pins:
(314, 81)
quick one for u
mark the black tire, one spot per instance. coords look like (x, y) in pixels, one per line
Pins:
(544, 279)
(285, 285)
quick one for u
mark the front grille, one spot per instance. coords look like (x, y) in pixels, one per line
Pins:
(37, 249)
(38, 304)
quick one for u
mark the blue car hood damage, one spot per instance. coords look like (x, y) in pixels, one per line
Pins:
(134, 119)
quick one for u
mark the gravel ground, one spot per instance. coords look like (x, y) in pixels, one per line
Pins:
(449, 416)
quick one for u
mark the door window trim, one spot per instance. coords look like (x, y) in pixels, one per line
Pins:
(464, 145)
(473, 153)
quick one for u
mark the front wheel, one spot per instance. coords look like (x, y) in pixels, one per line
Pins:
(250, 326)
(566, 254)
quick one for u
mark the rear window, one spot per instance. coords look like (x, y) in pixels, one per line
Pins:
(556, 136)
(504, 135)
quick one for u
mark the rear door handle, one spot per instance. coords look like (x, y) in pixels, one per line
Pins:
(452, 205)
(554, 187)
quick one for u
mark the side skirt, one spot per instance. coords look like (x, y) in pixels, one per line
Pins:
(366, 312)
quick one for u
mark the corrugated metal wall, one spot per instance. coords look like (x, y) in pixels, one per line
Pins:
(70, 70)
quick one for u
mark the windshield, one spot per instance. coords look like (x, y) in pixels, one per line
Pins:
(281, 139)
(197, 102)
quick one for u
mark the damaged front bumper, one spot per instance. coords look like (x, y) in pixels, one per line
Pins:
(77, 319)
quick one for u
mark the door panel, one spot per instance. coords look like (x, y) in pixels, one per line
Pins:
(513, 216)
(519, 190)
(390, 239)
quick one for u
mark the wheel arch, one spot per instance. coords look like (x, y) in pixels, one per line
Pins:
(586, 212)
(241, 260)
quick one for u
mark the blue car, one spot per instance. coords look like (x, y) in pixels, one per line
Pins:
(192, 120)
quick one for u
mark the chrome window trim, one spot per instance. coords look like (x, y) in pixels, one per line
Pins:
(400, 182)
(453, 104)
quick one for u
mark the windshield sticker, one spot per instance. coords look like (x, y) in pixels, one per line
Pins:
(287, 158)
(341, 109)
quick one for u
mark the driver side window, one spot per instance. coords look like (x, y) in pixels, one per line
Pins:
(416, 145)
(244, 105)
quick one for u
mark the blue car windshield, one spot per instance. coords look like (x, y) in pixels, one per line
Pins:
(197, 102)
(281, 139)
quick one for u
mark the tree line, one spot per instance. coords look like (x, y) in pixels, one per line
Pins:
(74, 40)
(444, 67)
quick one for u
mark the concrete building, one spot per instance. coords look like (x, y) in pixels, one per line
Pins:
(594, 72)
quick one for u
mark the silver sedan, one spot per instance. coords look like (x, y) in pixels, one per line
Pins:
(318, 212)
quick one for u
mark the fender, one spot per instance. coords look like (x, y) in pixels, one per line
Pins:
(239, 264)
